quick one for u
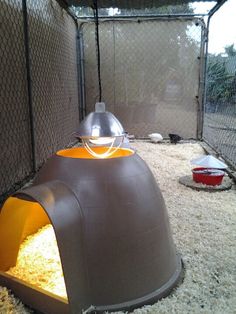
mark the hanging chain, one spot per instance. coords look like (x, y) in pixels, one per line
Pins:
(95, 12)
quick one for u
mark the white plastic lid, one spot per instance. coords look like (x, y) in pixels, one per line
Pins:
(208, 161)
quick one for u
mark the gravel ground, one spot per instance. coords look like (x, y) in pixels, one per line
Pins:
(204, 230)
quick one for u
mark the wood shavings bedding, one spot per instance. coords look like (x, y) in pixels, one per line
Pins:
(204, 230)
(39, 263)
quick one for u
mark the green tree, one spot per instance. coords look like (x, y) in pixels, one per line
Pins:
(218, 80)
(230, 50)
(167, 9)
(220, 85)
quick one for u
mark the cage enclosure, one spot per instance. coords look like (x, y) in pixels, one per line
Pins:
(112, 232)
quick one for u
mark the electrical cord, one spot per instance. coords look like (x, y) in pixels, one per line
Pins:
(95, 13)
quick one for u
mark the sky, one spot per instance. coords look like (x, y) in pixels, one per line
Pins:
(222, 26)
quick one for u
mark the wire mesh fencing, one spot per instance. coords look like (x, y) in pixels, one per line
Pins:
(52, 43)
(53, 97)
(219, 129)
(220, 107)
(15, 140)
(150, 73)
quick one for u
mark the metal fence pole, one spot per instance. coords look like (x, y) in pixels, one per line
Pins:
(202, 79)
(29, 82)
(81, 74)
(205, 68)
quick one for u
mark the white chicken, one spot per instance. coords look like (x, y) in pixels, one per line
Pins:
(155, 137)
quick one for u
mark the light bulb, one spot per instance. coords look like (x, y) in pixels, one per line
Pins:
(102, 140)
(107, 142)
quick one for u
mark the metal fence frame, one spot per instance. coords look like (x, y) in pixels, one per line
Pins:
(202, 57)
(201, 98)
(226, 155)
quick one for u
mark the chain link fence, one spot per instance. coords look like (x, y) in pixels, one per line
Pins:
(150, 73)
(15, 140)
(52, 43)
(219, 128)
(220, 113)
(53, 98)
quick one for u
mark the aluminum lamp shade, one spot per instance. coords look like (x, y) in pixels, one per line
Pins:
(101, 128)
(100, 124)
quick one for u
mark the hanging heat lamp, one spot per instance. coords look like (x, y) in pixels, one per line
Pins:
(115, 243)
(101, 129)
